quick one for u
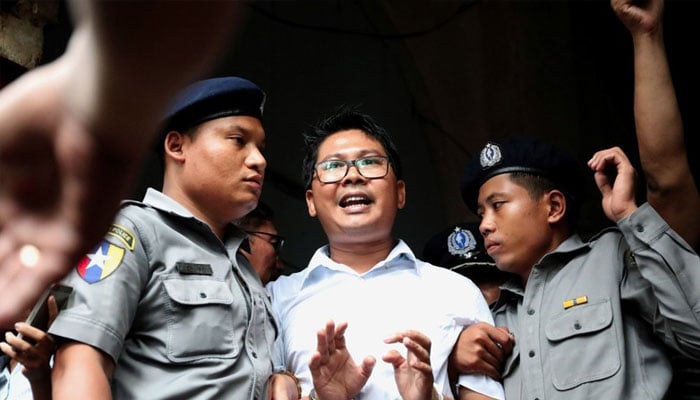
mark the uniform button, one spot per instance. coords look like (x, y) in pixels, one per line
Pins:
(530, 311)
(531, 353)
(254, 354)
(577, 326)
(640, 228)
(203, 295)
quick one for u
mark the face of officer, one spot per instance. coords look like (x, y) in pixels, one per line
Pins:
(217, 170)
(353, 208)
(263, 257)
(517, 228)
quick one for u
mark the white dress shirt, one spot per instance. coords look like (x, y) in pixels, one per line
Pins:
(397, 294)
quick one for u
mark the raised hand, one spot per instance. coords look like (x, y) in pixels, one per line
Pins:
(639, 16)
(413, 374)
(618, 192)
(335, 374)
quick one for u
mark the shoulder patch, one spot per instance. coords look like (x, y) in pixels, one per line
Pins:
(101, 262)
(123, 235)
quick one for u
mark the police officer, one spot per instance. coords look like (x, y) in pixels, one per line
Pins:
(165, 306)
(589, 319)
(265, 242)
(460, 248)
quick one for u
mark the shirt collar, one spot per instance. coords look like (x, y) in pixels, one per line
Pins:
(165, 203)
(161, 201)
(566, 250)
(321, 264)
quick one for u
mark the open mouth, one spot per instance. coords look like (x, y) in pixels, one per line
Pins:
(354, 201)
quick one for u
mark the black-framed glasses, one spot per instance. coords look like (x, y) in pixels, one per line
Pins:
(276, 241)
(332, 171)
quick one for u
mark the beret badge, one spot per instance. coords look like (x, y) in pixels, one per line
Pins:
(490, 155)
(461, 243)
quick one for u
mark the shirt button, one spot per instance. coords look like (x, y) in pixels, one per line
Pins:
(530, 311)
(254, 354)
(577, 326)
(203, 295)
(531, 353)
(640, 228)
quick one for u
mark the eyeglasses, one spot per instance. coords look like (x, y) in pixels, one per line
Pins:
(332, 171)
(276, 241)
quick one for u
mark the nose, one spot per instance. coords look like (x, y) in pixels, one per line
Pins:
(486, 226)
(353, 175)
(256, 160)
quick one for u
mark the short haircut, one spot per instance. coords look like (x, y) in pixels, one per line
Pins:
(537, 186)
(256, 218)
(342, 119)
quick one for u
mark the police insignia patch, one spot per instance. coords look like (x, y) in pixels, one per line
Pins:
(490, 155)
(461, 243)
(101, 262)
(123, 235)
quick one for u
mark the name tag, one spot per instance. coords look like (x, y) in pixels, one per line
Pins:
(193, 269)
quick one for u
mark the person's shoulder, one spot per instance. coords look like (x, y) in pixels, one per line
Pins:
(286, 285)
(443, 276)
(611, 233)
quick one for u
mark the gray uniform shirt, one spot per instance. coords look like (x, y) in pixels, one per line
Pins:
(594, 317)
(182, 314)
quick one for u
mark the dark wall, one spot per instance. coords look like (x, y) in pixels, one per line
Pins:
(444, 77)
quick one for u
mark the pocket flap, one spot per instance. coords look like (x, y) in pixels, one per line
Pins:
(198, 291)
(580, 320)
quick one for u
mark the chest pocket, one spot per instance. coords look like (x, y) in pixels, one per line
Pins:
(584, 333)
(200, 320)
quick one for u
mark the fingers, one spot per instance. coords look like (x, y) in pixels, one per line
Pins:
(53, 309)
(367, 366)
(506, 340)
(418, 346)
(482, 348)
(612, 156)
(329, 339)
(32, 356)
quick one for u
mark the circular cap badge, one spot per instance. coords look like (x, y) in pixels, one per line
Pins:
(461, 243)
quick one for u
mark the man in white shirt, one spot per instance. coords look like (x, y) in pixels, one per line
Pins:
(366, 288)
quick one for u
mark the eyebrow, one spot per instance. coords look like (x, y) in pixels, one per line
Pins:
(490, 198)
(235, 127)
(360, 154)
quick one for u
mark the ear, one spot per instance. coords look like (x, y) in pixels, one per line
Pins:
(310, 202)
(173, 146)
(556, 202)
(401, 193)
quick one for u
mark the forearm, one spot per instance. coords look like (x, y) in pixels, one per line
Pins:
(671, 189)
(41, 387)
(81, 372)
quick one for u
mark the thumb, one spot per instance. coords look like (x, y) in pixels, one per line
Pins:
(367, 366)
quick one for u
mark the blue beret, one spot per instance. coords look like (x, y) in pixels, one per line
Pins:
(527, 155)
(214, 98)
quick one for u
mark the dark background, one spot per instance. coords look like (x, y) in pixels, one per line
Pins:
(443, 77)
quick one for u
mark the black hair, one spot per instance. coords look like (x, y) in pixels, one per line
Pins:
(537, 186)
(256, 218)
(345, 118)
